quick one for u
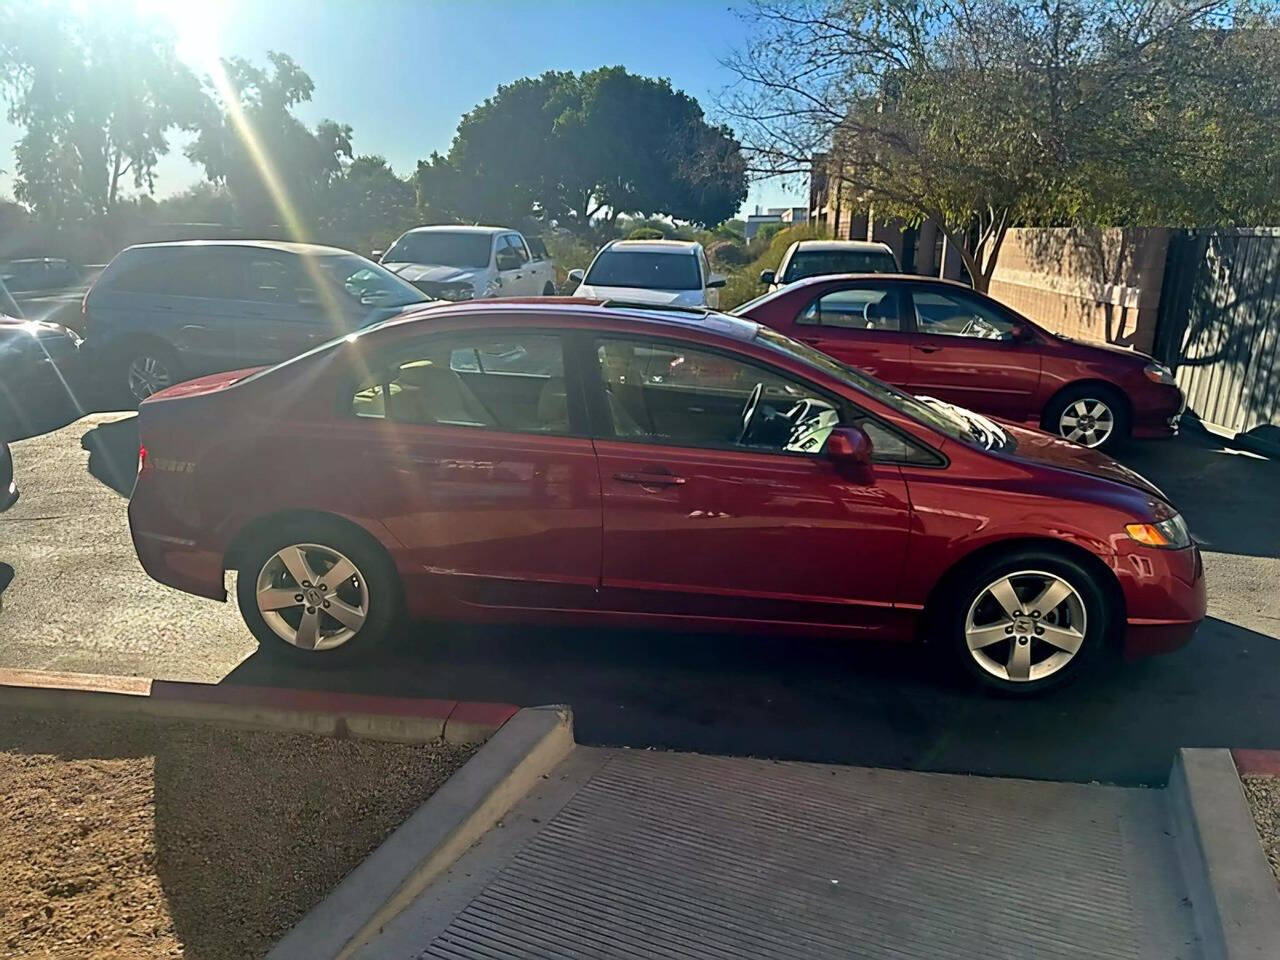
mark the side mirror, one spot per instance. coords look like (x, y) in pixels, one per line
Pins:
(507, 261)
(767, 276)
(576, 276)
(376, 253)
(715, 280)
(849, 447)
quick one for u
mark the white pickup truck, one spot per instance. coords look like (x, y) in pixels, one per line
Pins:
(471, 263)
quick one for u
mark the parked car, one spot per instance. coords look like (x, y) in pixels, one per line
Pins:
(566, 462)
(670, 272)
(40, 368)
(943, 339)
(8, 487)
(161, 313)
(39, 273)
(816, 258)
(471, 263)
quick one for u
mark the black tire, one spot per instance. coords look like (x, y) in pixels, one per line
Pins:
(1090, 394)
(374, 566)
(549, 290)
(969, 592)
(138, 351)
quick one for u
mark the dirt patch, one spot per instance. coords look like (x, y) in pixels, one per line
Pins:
(1263, 794)
(158, 839)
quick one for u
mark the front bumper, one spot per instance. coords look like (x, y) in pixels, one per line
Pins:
(1157, 411)
(1165, 598)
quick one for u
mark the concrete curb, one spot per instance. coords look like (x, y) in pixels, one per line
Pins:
(1233, 894)
(399, 719)
(441, 830)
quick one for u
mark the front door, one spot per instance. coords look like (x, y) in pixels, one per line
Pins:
(468, 446)
(963, 351)
(861, 325)
(717, 502)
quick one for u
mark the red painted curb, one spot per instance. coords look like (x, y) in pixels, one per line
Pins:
(303, 701)
(322, 703)
(1261, 762)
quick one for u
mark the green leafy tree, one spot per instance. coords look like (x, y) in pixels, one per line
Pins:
(275, 168)
(583, 150)
(96, 97)
(983, 114)
(367, 206)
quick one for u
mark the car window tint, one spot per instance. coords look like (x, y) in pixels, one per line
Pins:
(511, 381)
(517, 245)
(664, 393)
(957, 315)
(644, 269)
(816, 263)
(860, 309)
(194, 272)
(271, 280)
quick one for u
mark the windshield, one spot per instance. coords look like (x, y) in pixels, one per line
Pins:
(368, 284)
(645, 269)
(817, 263)
(947, 419)
(441, 249)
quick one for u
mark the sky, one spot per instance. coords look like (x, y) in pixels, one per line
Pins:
(402, 72)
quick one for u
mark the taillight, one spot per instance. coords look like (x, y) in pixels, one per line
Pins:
(142, 457)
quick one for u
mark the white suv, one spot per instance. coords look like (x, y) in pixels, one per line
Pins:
(661, 272)
(471, 263)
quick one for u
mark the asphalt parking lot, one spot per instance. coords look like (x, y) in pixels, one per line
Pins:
(78, 601)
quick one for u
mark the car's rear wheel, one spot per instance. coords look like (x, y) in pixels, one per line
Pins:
(1028, 623)
(148, 368)
(1090, 415)
(317, 590)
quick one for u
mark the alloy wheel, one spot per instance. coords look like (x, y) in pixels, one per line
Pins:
(312, 597)
(148, 375)
(1088, 422)
(1025, 626)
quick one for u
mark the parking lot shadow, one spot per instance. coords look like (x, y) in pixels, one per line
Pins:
(1230, 497)
(113, 453)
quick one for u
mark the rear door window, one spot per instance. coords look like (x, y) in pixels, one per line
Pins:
(860, 308)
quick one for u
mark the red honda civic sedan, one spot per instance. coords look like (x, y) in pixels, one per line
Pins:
(943, 339)
(564, 461)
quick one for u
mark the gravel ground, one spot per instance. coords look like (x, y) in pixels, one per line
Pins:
(154, 839)
(1264, 800)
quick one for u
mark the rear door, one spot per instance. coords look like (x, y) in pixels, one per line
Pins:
(475, 454)
(706, 518)
(963, 351)
(861, 324)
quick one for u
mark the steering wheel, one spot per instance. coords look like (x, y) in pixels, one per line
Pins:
(749, 411)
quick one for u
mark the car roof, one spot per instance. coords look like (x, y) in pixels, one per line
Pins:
(687, 318)
(656, 246)
(461, 228)
(858, 246)
(283, 246)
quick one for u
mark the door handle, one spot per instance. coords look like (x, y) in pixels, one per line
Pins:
(650, 479)
(926, 348)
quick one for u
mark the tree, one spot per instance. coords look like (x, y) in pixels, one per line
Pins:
(97, 97)
(367, 206)
(275, 168)
(982, 114)
(581, 148)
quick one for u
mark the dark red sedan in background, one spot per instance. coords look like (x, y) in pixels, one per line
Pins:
(943, 339)
(562, 461)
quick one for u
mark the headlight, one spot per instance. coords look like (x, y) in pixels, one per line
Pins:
(456, 291)
(1158, 373)
(1171, 534)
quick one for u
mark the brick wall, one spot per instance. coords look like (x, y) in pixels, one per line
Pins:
(1101, 285)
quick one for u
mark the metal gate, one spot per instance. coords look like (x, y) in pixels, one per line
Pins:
(1219, 325)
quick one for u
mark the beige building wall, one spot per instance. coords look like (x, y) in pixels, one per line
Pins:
(1093, 284)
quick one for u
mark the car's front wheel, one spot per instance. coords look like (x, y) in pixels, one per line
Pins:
(317, 590)
(1027, 623)
(1090, 415)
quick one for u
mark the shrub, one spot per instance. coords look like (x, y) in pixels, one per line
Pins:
(646, 233)
(744, 284)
